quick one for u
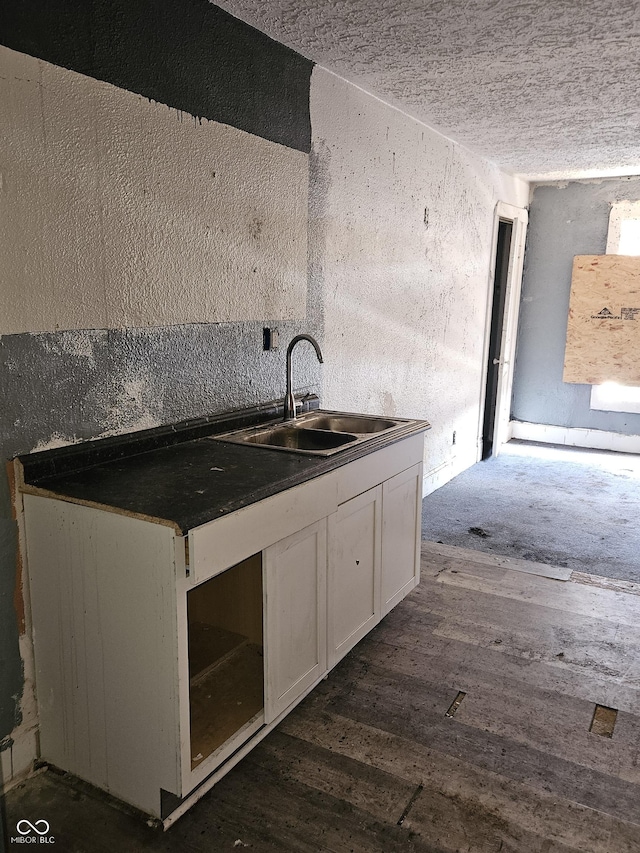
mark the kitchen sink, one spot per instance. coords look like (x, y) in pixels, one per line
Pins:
(358, 424)
(317, 432)
(295, 438)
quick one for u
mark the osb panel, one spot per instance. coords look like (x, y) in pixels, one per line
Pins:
(603, 331)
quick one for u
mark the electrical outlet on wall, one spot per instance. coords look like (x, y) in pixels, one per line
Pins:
(269, 339)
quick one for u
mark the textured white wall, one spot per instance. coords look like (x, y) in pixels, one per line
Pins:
(118, 212)
(404, 229)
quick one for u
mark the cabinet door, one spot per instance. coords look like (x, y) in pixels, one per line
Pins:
(401, 524)
(354, 571)
(295, 616)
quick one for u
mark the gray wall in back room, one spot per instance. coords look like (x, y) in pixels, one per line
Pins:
(564, 220)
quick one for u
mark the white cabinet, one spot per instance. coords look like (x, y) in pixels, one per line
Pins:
(159, 665)
(354, 571)
(374, 557)
(225, 660)
(105, 607)
(401, 518)
(295, 616)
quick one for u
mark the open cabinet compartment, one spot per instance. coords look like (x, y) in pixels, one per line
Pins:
(226, 666)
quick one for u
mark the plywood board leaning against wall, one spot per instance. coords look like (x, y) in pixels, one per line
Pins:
(603, 330)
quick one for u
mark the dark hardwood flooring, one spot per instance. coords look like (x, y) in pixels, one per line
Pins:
(370, 763)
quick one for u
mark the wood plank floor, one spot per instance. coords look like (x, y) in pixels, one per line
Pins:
(370, 762)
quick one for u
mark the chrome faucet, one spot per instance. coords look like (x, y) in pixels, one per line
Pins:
(289, 401)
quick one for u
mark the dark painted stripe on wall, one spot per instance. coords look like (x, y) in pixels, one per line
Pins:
(188, 54)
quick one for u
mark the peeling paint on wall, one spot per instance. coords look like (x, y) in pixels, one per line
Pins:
(56, 440)
(103, 196)
(78, 345)
(134, 405)
(191, 55)
(66, 387)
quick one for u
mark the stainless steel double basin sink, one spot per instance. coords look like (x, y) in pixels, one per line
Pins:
(320, 433)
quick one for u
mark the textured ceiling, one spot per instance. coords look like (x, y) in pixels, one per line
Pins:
(545, 88)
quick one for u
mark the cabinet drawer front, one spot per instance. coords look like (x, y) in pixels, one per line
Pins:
(370, 471)
(215, 546)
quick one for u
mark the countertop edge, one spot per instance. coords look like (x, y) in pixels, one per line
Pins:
(70, 499)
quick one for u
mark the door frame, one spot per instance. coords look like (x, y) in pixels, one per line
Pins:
(519, 218)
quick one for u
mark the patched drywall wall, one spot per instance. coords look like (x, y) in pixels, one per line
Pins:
(119, 212)
(84, 154)
(77, 385)
(564, 220)
(405, 236)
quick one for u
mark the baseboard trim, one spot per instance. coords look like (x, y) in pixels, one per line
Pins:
(595, 439)
(441, 474)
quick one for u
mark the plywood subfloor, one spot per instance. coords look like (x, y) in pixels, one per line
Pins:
(369, 763)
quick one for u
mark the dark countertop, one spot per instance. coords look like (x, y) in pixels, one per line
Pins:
(186, 482)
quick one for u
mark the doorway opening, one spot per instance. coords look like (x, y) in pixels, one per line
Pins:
(495, 355)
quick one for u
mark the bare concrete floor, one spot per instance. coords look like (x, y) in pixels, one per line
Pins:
(370, 761)
(557, 505)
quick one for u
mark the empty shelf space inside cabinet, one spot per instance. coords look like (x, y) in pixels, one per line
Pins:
(209, 648)
(226, 666)
(224, 700)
